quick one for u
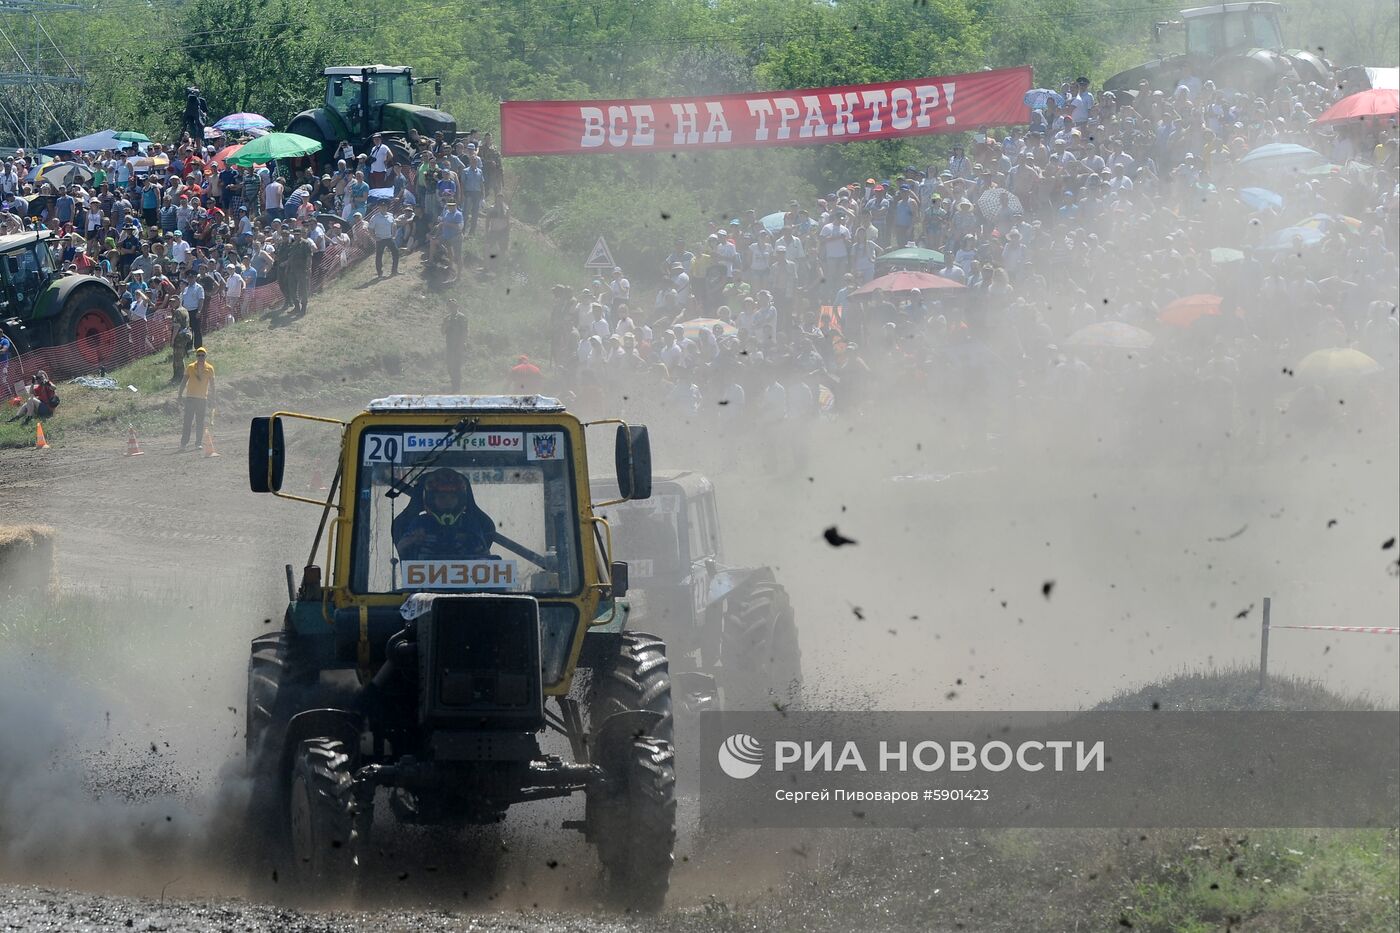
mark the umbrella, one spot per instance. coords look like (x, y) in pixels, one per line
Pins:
(1336, 363)
(146, 163)
(911, 254)
(897, 282)
(774, 222)
(1281, 157)
(255, 133)
(237, 122)
(275, 146)
(221, 157)
(1326, 223)
(1112, 334)
(990, 203)
(1283, 239)
(1261, 199)
(694, 326)
(1373, 106)
(1186, 311)
(131, 136)
(1221, 255)
(1036, 98)
(64, 173)
(1326, 168)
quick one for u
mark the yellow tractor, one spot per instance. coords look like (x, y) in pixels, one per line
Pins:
(470, 579)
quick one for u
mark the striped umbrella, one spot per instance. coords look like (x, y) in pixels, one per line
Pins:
(238, 122)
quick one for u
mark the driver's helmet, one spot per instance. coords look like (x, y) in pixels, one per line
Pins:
(446, 495)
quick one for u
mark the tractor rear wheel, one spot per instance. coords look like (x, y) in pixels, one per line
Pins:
(631, 817)
(320, 817)
(759, 651)
(90, 319)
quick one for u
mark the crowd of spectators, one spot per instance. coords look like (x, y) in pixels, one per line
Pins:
(1104, 210)
(177, 230)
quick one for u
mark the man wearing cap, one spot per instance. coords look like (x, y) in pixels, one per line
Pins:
(450, 231)
(196, 388)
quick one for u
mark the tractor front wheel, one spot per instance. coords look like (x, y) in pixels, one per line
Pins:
(320, 818)
(632, 818)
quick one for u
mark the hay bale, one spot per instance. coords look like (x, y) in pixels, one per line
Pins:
(26, 558)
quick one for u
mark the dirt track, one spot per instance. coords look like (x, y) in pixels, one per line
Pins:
(181, 532)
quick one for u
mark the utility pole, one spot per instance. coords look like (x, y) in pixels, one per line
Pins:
(27, 73)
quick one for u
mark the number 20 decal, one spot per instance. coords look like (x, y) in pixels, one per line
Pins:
(381, 448)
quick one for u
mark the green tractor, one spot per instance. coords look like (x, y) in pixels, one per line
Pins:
(1239, 46)
(43, 307)
(362, 100)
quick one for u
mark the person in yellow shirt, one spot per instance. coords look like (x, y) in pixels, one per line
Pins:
(197, 389)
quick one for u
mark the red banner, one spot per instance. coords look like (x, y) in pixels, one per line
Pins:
(767, 118)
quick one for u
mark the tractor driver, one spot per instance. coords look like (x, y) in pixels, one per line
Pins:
(451, 526)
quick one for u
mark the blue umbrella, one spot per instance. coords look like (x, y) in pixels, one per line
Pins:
(1261, 199)
(1282, 156)
(1037, 97)
(773, 223)
(1283, 239)
(237, 122)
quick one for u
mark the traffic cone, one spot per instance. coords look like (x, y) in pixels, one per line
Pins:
(40, 441)
(209, 450)
(133, 447)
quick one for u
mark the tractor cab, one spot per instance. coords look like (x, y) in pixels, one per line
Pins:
(358, 94)
(1231, 27)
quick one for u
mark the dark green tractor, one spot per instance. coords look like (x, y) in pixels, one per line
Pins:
(42, 307)
(1238, 45)
(362, 100)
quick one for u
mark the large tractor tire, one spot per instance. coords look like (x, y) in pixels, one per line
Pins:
(323, 159)
(759, 650)
(634, 824)
(90, 319)
(320, 818)
(637, 678)
(631, 817)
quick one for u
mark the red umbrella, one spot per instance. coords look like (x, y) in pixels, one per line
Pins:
(905, 282)
(1186, 311)
(1376, 104)
(221, 157)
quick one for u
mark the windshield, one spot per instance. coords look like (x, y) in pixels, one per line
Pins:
(492, 510)
(390, 89)
(645, 533)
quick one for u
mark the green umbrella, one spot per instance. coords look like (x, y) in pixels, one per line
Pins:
(911, 254)
(131, 136)
(274, 146)
(1221, 255)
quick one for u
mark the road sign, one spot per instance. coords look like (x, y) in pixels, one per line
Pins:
(601, 257)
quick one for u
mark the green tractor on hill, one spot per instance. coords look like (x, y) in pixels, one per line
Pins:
(1239, 46)
(362, 100)
(41, 306)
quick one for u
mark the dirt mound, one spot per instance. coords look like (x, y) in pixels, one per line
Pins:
(1232, 690)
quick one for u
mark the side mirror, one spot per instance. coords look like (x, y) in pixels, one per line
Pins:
(338, 88)
(617, 574)
(267, 455)
(633, 458)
